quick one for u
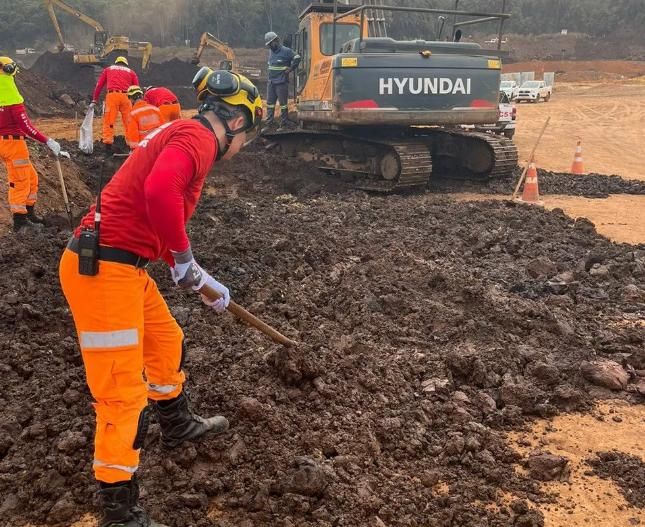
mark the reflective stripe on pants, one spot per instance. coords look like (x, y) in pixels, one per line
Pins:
(23, 179)
(128, 338)
(280, 93)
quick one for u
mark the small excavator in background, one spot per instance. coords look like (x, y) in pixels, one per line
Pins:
(105, 47)
(230, 62)
(393, 112)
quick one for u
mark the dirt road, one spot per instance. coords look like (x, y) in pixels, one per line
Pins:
(609, 118)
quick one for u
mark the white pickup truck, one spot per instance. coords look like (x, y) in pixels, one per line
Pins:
(510, 88)
(533, 91)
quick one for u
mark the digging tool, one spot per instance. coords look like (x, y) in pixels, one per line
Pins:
(528, 164)
(62, 186)
(249, 318)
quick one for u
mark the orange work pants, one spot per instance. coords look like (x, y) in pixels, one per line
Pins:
(23, 179)
(132, 351)
(170, 112)
(115, 103)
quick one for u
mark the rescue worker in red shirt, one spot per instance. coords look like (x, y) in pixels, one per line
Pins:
(116, 79)
(14, 127)
(123, 323)
(144, 118)
(165, 100)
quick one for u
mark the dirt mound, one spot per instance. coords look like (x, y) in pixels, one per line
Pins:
(589, 185)
(174, 74)
(47, 98)
(60, 67)
(50, 199)
(428, 327)
(627, 471)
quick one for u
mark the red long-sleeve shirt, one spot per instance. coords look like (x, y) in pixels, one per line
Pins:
(147, 203)
(14, 121)
(159, 96)
(117, 78)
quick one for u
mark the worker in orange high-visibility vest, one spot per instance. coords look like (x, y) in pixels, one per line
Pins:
(15, 126)
(165, 100)
(116, 79)
(144, 118)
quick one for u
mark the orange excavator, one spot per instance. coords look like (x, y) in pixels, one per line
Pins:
(395, 113)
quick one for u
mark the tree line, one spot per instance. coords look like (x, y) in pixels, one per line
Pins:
(242, 23)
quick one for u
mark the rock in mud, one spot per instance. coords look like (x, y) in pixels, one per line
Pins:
(307, 479)
(541, 267)
(547, 467)
(605, 373)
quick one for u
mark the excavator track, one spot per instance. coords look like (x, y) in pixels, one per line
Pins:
(409, 161)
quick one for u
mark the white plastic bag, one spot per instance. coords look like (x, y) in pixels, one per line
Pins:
(86, 134)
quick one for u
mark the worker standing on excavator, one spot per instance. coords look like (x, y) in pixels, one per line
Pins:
(117, 79)
(165, 100)
(144, 118)
(282, 61)
(124, 326)
(14, 127)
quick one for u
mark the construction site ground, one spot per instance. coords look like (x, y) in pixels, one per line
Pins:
(453, 367)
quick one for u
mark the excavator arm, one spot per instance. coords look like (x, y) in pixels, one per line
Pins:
(50, 4)
(209, 40)
(146, 48)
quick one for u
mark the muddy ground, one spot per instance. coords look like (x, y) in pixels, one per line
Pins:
(429, 328)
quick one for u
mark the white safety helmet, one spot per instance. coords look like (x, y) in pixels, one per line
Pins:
(270, 37)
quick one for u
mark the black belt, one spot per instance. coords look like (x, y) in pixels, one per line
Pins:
(14, 137)
(117, 91)
(112, 254)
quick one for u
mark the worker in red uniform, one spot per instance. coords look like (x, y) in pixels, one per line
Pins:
(14, 127)
(116, 79)
(144, 118)
(123, 323)
(165, 100)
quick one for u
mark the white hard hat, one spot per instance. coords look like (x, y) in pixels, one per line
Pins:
(269, 37)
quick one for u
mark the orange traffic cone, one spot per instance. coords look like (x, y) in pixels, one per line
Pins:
(578, 167)
(531, 192)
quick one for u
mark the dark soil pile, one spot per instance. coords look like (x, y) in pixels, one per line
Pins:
(174, 74)
(60, 67)
(589, 185)
(47, 98)
(628, 472)
(428, 327)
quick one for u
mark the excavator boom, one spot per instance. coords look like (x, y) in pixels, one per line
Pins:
(209, 40)
(50, 4)
(230, 63)
(103, 43)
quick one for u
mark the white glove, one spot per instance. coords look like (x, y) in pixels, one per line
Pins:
(54, 146)
(91, 106)
(64, 154)
(221, 303)
(188, 273)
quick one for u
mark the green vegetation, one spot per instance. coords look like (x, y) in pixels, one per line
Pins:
(243, 22)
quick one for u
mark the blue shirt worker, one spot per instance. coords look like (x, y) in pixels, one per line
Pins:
(282, 61)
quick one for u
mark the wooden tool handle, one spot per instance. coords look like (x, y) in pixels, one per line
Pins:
(249, 318)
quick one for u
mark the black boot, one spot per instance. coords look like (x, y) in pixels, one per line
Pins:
(21, 223)
(119, 502)
(32, 215)
(178, 423)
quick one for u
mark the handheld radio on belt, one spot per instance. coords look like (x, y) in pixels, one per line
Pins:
(88, 241)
